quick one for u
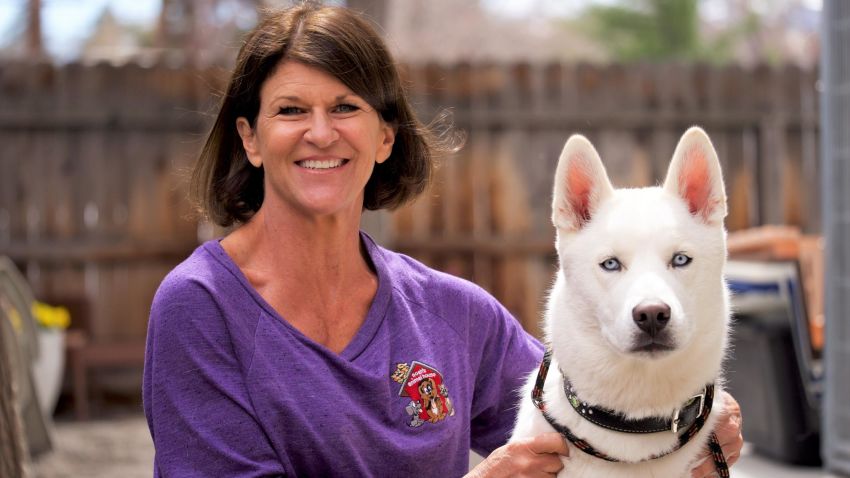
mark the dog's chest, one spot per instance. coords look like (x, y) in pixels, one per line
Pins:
(625, 446)
(581, 465)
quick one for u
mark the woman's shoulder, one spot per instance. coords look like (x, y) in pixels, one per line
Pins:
(427, 285)
(200, 275)
(205, 295)
(466, 307)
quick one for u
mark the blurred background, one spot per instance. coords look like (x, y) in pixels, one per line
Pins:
(104, 105)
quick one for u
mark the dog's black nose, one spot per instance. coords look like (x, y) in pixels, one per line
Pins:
(651, 317)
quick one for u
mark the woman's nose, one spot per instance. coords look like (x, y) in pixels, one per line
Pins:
(321, 131)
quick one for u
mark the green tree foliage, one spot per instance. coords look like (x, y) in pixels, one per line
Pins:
(654, 30)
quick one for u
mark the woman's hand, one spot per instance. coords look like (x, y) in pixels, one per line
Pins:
(537, 456)
(728, 431)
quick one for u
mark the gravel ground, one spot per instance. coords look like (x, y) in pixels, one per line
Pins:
(117, 447)
(121, 447)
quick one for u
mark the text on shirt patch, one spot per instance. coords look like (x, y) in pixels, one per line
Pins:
(429, 396)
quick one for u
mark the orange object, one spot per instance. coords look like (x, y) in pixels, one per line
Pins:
(775, 243)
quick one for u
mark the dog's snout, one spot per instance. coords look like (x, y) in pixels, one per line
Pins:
(651, 317)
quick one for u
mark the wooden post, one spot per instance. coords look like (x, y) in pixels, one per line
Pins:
(35, 46)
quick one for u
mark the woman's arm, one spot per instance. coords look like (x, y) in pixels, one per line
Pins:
(539, 456)
(728, 431)
(199, 413)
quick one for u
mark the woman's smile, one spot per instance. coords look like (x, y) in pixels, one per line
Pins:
(321, 164)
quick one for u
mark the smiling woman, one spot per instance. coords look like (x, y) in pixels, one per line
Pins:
(266, 344)
(230, 189)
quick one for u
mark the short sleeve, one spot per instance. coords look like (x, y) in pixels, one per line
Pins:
(508, 354)
(198, 409)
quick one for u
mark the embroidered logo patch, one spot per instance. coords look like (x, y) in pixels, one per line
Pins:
(429, 396)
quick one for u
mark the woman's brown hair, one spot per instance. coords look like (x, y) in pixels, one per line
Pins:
(338, 41)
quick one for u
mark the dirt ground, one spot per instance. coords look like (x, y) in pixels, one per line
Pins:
(120, 446)
(105, 448)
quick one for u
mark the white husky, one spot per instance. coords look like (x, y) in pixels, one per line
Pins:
(637, 318)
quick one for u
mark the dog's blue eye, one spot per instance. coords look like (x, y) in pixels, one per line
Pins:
(680, 260)
(611, 265)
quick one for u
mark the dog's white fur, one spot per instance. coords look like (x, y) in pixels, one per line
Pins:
(589, 321)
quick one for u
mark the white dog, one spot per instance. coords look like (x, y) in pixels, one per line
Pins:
(637, 318)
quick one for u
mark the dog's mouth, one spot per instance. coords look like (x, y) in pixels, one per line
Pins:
(657, 345)
(653, 348)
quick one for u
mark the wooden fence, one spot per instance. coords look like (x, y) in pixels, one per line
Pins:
(487, 218)
(92, 196)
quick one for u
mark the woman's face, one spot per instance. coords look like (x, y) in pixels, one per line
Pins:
(317, 141)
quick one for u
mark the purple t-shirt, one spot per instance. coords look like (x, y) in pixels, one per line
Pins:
(231, 389)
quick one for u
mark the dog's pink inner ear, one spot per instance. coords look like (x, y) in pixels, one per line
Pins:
(695, 183)
(579, 190)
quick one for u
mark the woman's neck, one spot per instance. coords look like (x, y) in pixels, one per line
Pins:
(325, 248)
(315, 274)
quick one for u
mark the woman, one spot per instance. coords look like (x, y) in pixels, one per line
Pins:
(296, 345)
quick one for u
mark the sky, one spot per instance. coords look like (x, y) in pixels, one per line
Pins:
(67, 23)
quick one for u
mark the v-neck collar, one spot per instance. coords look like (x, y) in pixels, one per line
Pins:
(375, 316)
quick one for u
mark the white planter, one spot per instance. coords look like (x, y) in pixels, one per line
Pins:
(48, 369)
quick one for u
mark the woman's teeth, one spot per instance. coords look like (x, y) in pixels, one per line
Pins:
(321, 164)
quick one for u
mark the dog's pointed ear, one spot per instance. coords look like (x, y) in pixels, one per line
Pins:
(694, 175)
(581, 184)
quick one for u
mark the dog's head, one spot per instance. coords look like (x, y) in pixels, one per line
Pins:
(428, 388)
(641, 268)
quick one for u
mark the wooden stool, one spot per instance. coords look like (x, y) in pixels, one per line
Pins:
(84, 355)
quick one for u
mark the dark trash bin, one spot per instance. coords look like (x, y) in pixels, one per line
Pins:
(780, 419)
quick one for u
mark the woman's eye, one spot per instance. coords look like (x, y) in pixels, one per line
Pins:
(680, 260)
(346, 108)
(611, 265)
(290, 110)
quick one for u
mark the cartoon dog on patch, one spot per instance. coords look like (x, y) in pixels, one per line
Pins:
(431, 400)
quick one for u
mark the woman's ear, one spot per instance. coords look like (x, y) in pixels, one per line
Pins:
(387, 140)
(249, 141)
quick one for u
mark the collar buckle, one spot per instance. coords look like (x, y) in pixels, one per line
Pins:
(674, 424)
